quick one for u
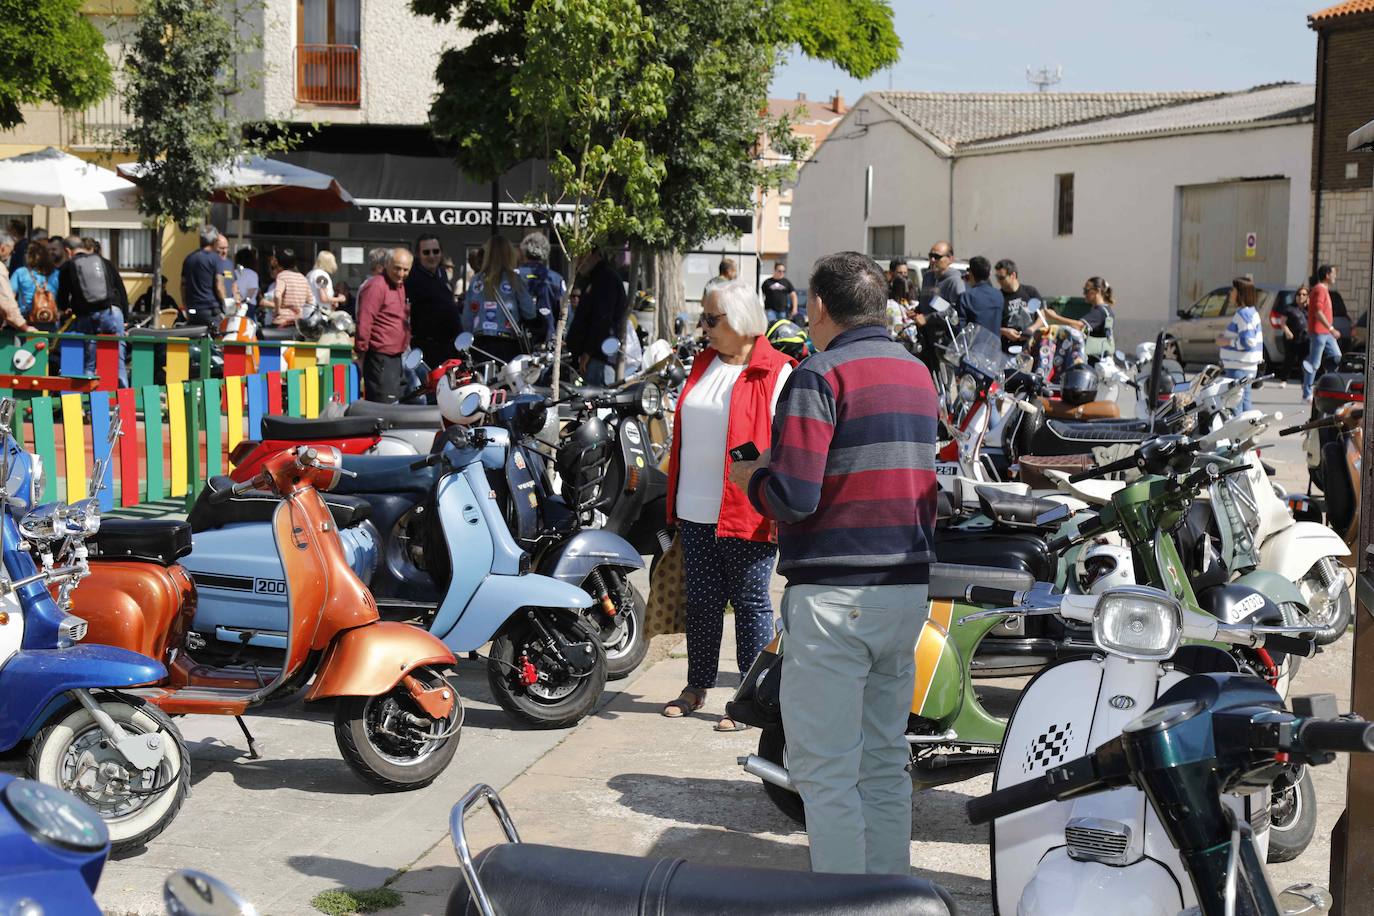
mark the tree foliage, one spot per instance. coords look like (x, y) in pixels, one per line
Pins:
(50, 53)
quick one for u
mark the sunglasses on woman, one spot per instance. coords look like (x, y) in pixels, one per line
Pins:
(710, 320)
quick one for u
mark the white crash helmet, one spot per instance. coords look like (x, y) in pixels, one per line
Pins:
(1102, 566)
(465, 405)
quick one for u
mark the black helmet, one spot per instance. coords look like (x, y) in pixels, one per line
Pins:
(1079, 385)
(788, 338)
(584, 449)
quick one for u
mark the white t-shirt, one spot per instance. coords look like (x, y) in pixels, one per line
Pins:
(705, 422)
(322, 285)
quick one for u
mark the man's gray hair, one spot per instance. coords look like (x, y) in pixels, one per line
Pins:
(377, 257)
(208, 235)
(391, 253)
(6, 239)
(742, 307)
(535, 247)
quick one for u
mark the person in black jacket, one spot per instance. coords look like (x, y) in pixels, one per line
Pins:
(435, 318)
(104, 314)
(600, 314)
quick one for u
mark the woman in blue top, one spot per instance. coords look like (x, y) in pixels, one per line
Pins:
(498, 307)
(38, 272)
(1242, 343)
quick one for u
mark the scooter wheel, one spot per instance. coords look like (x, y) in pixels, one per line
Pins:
(773, 748)
(554, 701)
(627, 646)
(69, 753)
(1292, 816)
(379, 739)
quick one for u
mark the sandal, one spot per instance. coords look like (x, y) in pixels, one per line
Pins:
(727, 724)
(687, 702)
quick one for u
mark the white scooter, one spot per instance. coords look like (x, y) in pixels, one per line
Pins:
(1106, 853)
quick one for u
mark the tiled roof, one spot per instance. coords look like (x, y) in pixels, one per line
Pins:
(959, 118)
(1249, 106)
(803, 111)
(1341, 10)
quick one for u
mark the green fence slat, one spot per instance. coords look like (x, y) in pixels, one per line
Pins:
(152, 440)
(326, 385)
(214, 450)
(45, 444)
(295, 393)
(141, 364)
(194, 396)
(206, 369)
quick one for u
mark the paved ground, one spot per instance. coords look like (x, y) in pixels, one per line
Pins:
(297, 822)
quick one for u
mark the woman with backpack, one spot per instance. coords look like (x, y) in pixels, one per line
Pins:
(498, 305)
(35, 286)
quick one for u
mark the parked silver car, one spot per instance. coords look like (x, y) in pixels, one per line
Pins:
(1192, 339)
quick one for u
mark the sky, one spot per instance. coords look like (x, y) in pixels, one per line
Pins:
(986, 46)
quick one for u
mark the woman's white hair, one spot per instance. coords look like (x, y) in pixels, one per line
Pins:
(742, 307)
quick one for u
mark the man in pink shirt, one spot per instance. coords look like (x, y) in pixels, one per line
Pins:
(384, 328)
(1321, 329)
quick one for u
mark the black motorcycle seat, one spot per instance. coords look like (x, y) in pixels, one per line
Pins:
(271, 333)
(951, 580)
(385, 474)
(1026, 551)
(154, 540)
(192, 331)
(523, 878)
(258, 506)
(591, 391)
(1098, 430)
(398, 416)
(302, 429)
(1012, 508)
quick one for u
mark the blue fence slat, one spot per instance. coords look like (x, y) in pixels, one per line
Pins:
(71, 355)
(269, 361)
(257, 403)
(352, 382)
(100, 440)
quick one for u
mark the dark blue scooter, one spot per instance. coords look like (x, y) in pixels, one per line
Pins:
(115, 752)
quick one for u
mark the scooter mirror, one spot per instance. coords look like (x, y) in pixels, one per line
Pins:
(1033, 305)
(463, 342)
(610, 346)
(412, 358)
(939, 306)
(194, 893)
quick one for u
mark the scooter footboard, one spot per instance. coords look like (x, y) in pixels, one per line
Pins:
(368, 661)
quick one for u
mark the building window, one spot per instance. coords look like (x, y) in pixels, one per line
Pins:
(887, 241)
(784, 216)
(1063, 204)
(131, 250)
(328, 35)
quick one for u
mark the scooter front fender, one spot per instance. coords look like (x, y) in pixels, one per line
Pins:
(368, 661)
(1062, 885)
(32, 680)
(1292, 551)
(499, 597)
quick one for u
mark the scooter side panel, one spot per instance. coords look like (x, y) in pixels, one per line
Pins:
(498, 597)
(589, 548)
(1292, 551)
(1062, 885)
(32, 680)
(469, 540)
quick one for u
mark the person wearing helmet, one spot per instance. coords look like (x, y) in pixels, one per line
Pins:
(728, 547)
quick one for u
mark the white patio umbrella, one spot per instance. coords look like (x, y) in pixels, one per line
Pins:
(52, 178)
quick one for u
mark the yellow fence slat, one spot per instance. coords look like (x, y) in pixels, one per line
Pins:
(312, 393)
(74, 442)
(233, 394)
(178, 363)
(176, 432)
(302, 358)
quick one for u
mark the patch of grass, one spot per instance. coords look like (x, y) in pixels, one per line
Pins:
(354, 900)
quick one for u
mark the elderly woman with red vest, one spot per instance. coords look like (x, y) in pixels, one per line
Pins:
(728, 548)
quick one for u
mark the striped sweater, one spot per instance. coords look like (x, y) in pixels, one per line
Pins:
(1244, 341)
(851, 479)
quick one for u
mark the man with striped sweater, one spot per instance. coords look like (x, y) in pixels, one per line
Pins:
(850, 480)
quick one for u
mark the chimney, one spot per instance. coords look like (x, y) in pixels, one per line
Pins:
(837, 103)
(801, 96)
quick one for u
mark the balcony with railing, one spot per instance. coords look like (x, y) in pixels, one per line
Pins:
(99, 127)
(327, 74)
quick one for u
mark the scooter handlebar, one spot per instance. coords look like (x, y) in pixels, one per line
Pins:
(1077, 777)
(1310, 425)
(1121, 464)
(1086, 529)
(1337, 736)
(987, 594)
(1290, 645)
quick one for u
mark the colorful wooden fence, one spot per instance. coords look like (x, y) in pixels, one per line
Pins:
(175, 436)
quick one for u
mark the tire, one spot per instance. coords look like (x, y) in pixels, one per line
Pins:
(389, 763)
(1337, 620)
(1292, 816)
(564, 700)
(773, 748)
(625, 652)
(132, 822)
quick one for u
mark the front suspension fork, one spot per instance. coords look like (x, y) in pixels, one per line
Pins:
(144, 752)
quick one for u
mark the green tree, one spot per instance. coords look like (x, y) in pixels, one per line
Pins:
(51, 53)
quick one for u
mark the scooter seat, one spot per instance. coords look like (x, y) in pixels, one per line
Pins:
(161, 541)
(190, 331)
(1012, 509)
(398, 416)
(1023, 551)
(951, 580)
(1099, 430)
(524, 878)
(385, 474)
(258, 506)
(271, 333)
(305, 429)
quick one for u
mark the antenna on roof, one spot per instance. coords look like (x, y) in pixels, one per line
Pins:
(1044, 78)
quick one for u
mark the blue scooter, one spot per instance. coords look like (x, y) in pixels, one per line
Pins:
(53, 850)
(120, 755)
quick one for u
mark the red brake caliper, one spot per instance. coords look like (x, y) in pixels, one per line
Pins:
(529, 675)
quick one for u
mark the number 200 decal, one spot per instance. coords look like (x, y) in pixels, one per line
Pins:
(269, 586)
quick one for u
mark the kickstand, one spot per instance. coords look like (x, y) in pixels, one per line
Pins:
(252, 742)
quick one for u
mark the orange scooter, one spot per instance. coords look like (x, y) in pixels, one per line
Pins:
(396, 716)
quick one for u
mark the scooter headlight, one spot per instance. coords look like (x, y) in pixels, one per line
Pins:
(1138, 622)
(81, 518)
(968, 388)
(41, 524)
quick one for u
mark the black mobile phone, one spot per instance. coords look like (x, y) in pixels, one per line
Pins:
(746, 452)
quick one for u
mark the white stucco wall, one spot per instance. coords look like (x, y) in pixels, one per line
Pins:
(398, 54)
(910, 188)
(1125, 200)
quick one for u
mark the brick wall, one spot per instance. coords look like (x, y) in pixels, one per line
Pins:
(1345, 102)
(1344, 240)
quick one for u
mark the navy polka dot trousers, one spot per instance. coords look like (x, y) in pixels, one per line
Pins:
(720, 571)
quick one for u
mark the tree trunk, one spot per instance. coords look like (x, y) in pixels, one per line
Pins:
(625, 329)
(668, 291)
(156, 299)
